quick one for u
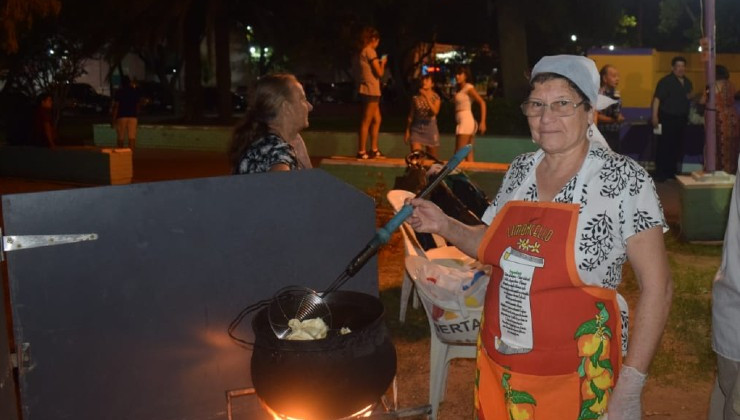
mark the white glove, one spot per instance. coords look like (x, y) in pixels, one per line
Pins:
(624, 403)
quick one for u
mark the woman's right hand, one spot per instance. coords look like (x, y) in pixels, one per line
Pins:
(427, 217)
(407, 136)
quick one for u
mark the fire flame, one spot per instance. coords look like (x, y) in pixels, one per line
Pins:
(365, 412)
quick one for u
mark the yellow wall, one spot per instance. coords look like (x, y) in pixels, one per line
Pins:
(636, 77)
(640, 73)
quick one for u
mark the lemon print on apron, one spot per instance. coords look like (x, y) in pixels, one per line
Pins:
(595, 370)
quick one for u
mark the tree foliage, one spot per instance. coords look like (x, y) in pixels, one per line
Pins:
(305, 34)
(681, 24)
(17, 16)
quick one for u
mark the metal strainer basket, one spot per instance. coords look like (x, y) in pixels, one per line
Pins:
(296, 302)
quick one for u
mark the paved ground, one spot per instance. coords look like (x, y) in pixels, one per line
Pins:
(149, 165)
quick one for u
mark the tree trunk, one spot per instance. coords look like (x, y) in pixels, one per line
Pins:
(513, 46)
(223, 66)
(193, 31)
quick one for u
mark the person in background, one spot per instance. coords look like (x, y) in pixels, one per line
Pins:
(728, 127)
(725, 401)
(671, 103)
(467, 126)
(609, 120)
(566, 218)
(370, 70)
(43, 132)
(268, 139)
(421, 126)
(124, 113)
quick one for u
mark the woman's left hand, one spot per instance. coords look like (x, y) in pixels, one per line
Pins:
(625, 401)
(482, 127)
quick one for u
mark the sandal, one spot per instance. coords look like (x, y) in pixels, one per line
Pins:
(362, 155)
(375, 154)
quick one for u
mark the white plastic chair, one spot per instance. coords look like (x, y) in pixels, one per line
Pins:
(412, 247)
(442, 351)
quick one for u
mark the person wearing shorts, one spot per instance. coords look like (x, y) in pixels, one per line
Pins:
(370, 70)
(467, 126)
(124, 113)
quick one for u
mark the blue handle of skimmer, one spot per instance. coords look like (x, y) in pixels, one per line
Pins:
(383, 235)
(459, 156)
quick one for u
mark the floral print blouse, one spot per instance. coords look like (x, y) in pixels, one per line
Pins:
(266, 152)
(618, 199)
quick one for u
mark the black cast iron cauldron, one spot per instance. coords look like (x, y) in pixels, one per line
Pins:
(330, 378)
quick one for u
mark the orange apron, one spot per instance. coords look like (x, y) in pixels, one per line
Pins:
(550, 345)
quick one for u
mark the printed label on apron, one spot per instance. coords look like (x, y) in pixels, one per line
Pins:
(515, 309)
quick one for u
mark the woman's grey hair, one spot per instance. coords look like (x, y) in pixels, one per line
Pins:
(544, 77)
(269, 93)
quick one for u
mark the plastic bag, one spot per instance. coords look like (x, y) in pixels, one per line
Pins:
(463, 285)
(452, 292)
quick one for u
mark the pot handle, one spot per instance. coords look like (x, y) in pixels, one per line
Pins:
(238, 319)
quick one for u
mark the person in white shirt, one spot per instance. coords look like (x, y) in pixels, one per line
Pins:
(467, 126)
(725, 402)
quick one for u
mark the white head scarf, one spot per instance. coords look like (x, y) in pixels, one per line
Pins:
(583, 73)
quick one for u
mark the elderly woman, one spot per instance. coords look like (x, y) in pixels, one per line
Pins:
(268, 138)
(566, 218)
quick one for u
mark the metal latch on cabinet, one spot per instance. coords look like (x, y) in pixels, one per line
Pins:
(18, 242)
(21, 358)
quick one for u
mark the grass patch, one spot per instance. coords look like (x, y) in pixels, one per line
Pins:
(78, 131)
(416, 327)
(685, 352)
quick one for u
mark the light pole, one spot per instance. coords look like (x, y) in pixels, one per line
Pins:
(710, 115)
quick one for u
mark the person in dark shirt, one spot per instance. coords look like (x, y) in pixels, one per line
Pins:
(43, 132)
(671, 103)
(125, 111)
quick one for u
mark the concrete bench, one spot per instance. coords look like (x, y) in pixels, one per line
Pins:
(319, 143)
(86, 165)
(705, 204)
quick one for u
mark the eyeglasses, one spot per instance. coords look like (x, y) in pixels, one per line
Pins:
(561, 108)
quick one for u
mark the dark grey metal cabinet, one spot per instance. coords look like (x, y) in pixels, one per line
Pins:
(133, 325)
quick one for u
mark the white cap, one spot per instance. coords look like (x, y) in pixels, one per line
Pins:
(579, 70)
